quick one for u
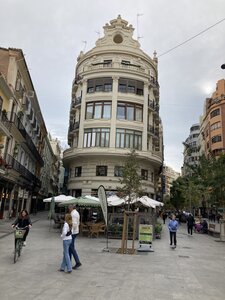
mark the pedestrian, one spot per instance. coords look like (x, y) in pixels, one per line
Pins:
(23, 222)
(164, 216)
(75, 231)
(173, 226)
(67, 238)
(190, 223)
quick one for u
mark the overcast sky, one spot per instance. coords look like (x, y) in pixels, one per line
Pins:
(51, 35)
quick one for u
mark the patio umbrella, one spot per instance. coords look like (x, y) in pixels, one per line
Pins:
(149, 202)
(82, 201)
(59, 198)
(115, 200)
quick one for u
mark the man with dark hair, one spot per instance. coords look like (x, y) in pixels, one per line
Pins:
(190, 223)
(75, 231)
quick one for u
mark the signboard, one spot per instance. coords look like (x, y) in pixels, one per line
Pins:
(145, 234)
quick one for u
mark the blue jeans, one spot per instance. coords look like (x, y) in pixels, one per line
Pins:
(72, 250)
(66, 262)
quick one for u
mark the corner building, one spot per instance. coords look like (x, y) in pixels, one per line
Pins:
(114, 108)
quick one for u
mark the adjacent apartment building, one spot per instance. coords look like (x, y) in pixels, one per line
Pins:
(114, 108)
(191, 149)
(23, 139)
(213, 121)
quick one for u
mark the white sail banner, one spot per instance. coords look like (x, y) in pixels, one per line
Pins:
(103, 201)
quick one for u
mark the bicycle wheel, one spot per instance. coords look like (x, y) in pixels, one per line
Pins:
(16, 251)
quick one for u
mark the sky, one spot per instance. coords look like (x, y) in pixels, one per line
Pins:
(52, 33)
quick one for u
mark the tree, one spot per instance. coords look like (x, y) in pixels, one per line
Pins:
(130, 181)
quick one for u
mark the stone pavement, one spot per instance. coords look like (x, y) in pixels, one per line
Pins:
(195, 270)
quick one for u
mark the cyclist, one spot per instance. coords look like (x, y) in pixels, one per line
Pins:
(23, 221)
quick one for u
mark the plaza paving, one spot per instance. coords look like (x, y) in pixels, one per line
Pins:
(195, 270)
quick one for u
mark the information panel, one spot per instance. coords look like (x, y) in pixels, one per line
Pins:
(145, 234)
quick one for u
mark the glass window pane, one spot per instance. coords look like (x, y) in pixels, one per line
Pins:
(121, 112)
(98, 111)
(139, 114)
(107, 111)
(89, 111)
(93, 139)
(130, 113)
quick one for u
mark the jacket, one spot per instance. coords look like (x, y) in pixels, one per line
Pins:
(173, 225)
(22, 222)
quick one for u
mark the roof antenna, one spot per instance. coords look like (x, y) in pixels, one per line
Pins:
(138, 36)
(85, 44)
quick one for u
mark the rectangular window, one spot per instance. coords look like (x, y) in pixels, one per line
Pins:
(215, 126)
(128, 139)
(78, 171)
(118, 171)
(98, 110)
(101, 170)
(144, 174)
(216, 139)
(127, 85)
(103, 84)
(215, 113)
(96, 137)
(129, 111)
(89, 111)
(121, 115)
(106, 111)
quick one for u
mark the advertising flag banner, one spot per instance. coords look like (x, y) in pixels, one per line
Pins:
(103, 202)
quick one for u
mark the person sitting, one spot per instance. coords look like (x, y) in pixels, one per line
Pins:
(204, 227)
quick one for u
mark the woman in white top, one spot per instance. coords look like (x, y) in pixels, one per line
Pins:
(67, 238)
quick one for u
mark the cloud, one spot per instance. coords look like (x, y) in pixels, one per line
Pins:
(51, 34)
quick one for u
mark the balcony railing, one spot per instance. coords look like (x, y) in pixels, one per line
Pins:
(75, 101)
(153, 105)
(15, 165)
(16, 121)
(74, 126)
(5, 120)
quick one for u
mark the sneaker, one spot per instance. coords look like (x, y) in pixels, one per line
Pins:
(61, 270)
(24, 243)
(69, 272)
(77, 266)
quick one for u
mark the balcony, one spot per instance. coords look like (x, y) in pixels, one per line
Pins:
(4, 123)
(75, 102)
(28, 141)
(151, 129)
(24, 172)
(74, 126)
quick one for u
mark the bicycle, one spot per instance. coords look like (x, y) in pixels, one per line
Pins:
(18, 233)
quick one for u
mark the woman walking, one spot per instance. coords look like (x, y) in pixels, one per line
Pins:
(67, 238)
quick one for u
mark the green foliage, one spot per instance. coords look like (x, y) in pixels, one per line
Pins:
(205, 180)
(131, 181)
(158, 228)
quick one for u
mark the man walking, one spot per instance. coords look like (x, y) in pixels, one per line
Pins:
(173, 226)
(190, 223)
(75, 231)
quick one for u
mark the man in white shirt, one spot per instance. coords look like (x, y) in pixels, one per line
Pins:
(75, 231)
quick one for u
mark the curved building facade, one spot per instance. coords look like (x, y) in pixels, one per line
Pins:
(114, 108)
